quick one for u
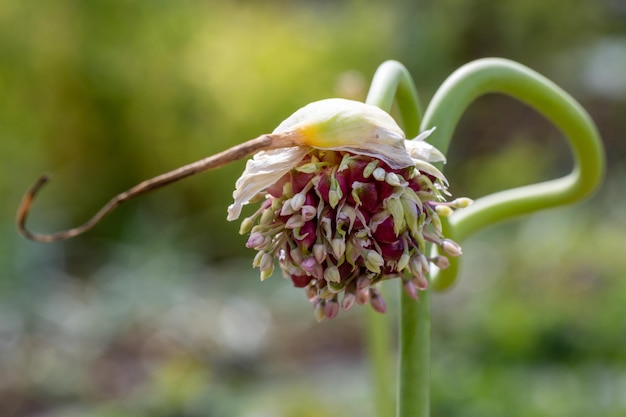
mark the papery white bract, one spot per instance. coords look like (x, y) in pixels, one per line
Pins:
(339, 125)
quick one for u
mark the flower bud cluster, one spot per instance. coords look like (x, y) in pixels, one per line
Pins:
(340, 223)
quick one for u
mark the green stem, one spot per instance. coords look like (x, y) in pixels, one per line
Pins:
(378, 337)
(414, 357)
(502, 76)
(393, 81)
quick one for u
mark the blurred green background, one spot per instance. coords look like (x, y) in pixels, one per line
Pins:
(157, 311)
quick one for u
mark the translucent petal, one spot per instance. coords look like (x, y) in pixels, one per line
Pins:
(351, 126)
(263, 170)
(419, 149)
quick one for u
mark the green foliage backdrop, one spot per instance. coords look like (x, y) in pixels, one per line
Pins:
(156, 312)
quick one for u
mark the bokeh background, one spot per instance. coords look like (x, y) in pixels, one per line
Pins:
(157, 311)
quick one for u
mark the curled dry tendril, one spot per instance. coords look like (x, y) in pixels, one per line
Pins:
(263, 142)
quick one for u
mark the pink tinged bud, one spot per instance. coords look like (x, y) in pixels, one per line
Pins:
(296, 255)
(319, 251)
(415, 266)
(410, 289)
(362, 296)
(451, 248)
(300, 281)
(377, 302)
(331, 308)
(331, 274)
(309, 264)
(421, 282)
(255, 240)
(348, 301)
(425, 264)
(308, 213)
(441, 261)
(363, 282)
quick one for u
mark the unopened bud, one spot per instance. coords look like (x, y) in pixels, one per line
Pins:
(246, 226)
(443, 210)
(335, 287)
(308, 213)
(319, 251)
(462, 202)
(294, 222)
(374, 261)
(331, 308)
(441, 261)
(333, 198)
(392, 179)
(362, 295)
(318, 310)
(255, 240)
(339, 247)
(403, 262)
(369, 168)
(267, 273)
(297, 201)
(332, 274)
(377, 302)
(348, 301)
(267, 262)
(451, 248)
(410, 289)
(379, 174)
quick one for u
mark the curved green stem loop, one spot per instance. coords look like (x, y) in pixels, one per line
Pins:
(494, 75)
(392, 81)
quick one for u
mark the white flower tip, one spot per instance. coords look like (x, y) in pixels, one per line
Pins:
(234, 211)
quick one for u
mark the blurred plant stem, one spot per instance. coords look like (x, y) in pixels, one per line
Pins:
(392, 81)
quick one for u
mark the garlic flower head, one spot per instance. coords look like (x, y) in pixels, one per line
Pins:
(351, 205)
